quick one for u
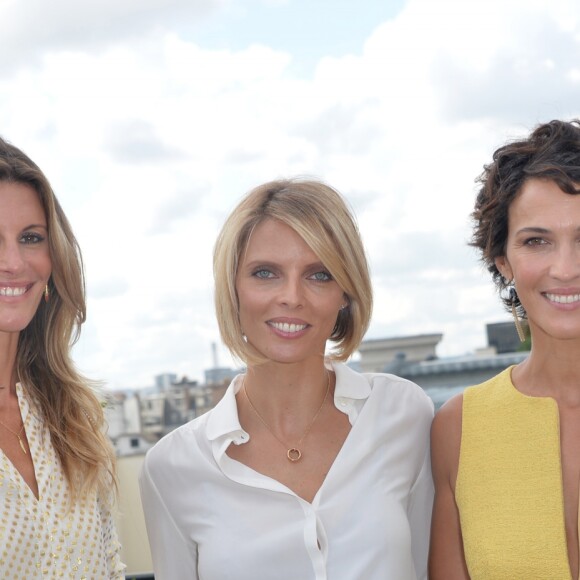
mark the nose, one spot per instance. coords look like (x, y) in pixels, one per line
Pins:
(10, 256)
(566, 263)
(292, 291)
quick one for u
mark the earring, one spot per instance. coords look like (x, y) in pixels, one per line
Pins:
(46, 293)
(513, 297)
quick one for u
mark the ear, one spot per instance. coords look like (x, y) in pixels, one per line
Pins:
(502, 264)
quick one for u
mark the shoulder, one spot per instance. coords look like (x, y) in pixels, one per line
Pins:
(181, 446)
(383, 388)
(497, 389)
(397, 390)
(447, 428)
(448, 420)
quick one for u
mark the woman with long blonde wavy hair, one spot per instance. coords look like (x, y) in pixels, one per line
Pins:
(57, 467)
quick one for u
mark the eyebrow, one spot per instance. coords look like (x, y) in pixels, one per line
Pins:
(32, 226)
(271, 264)
(537, 230)
(533, 230)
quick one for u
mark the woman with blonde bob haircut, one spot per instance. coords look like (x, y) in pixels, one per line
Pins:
(320, 217)
(57, 466)
(305, 469)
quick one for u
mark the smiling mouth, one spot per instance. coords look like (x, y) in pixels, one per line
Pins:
(285, 327)
(563, 299)
(10, 291)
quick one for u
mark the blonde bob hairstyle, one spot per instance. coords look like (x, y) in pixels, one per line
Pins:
(70, 408)
(320, 216)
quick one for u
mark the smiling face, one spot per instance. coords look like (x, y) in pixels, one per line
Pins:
(288, 301)
(25, 263)
(543, 257)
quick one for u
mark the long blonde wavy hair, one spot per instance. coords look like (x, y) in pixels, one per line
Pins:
(68, 402)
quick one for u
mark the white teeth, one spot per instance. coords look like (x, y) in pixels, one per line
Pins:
(9, 291)
(285, 327)
(563, 298)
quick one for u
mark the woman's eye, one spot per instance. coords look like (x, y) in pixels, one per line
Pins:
(31, 238)
(534, 242)
(321, 276)
(263, 274)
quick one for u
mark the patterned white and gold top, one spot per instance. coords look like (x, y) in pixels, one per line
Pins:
(41, 538)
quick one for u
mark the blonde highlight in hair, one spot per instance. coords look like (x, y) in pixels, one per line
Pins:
(320, 216)
(70, 408)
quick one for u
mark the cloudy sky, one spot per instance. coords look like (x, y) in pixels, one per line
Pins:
(152, 118)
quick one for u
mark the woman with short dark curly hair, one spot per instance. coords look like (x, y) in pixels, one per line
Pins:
(506, 454)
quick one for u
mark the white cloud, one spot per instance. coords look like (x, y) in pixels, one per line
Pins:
(31, 29)
(150, 139)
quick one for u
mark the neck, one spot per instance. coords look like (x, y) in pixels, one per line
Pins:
(280, 380)
(552, 369)
(287, 394)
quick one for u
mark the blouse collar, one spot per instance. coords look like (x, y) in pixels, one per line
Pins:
(350, 392)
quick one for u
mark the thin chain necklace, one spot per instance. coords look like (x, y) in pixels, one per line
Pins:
(17, 435)
(292, 453)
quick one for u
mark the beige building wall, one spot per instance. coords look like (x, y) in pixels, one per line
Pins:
(375, 354)
(130, 520)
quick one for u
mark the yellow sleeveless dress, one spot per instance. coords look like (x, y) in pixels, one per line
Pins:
(509, 485)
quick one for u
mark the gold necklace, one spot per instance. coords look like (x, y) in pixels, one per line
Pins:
(292, 453)
(17, 435)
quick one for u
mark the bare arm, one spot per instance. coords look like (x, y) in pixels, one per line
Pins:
(446, 558)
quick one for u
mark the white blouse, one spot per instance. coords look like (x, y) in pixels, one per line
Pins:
(213, 518)
(38, 537)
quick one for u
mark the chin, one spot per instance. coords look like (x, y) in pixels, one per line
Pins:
(561, 333)
(286, 358)
(571, 335)
(15, 324)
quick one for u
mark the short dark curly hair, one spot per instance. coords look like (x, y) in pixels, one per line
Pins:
(551, 152)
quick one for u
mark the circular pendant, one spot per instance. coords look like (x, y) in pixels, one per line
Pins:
(294, 454)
